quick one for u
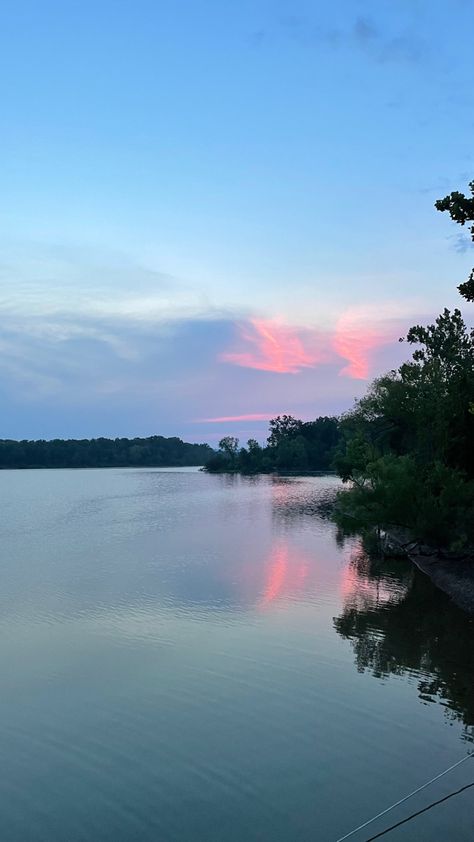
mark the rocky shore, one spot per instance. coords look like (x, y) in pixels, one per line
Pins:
(451, 572)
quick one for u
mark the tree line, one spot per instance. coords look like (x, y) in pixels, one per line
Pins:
(154, 451)
(292, 445)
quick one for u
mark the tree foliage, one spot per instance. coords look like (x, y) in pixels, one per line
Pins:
(230, 446)
(461, 210)
(292, 446)
(283, 428)
(408, 445)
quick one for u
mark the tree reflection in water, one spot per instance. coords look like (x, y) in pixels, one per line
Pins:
(398, 622)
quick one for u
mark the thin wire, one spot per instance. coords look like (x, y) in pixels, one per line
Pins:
(419, 812)
(405, 798)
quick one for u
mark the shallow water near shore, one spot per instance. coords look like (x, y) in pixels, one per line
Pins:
(196, 657)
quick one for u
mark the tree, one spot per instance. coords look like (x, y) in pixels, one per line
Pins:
(321, 437)
(292, 445)
(461, 210)
(283, 427)
(441, 379)
(292, 454)
(408, 445)
(230, 446)
(250, 458)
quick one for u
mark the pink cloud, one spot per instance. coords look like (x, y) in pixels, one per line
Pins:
(359, 335)
(272, 346)
(361, 338)
(222, 419)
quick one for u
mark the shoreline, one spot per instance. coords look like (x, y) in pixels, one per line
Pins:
(455, 578)
(451, 573)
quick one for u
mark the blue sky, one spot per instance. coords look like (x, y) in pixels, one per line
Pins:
(216, 210)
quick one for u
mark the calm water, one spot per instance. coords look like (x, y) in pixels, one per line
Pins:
(189, 657)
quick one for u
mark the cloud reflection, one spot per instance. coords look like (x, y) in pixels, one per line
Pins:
(286, 572)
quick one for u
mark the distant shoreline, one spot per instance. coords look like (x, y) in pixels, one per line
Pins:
(91, 467)
(270, 472)
(151, 452)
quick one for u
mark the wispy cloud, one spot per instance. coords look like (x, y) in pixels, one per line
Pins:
(356, 347)
(357, 339)
(461, 243)
(361, 334)
(225, 419)
(362, 33)
(272, 346)
(63, 283)
(385, 47)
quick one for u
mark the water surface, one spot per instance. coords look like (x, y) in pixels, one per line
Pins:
(193, 657)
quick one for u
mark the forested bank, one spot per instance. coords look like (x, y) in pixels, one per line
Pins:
(154, 451)
(292, 446)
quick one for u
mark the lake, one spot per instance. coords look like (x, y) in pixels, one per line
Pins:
(194, 657)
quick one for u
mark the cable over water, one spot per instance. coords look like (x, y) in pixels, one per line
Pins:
(419, 812)
(405, 798)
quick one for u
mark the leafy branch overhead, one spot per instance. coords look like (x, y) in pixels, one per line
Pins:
(461, 210)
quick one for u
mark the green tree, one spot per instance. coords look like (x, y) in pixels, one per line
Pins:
(250, 459)
(408, 445)
(292, 445)
(321, 437)
(229, 445)
(283, 427)
(292, 455)
(461, 210)
(440, 378)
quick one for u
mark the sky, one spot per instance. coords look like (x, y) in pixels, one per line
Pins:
(215, 212)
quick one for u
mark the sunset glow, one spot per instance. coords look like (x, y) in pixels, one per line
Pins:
(358, 335)
(277, 572)
(223, 419)
(357, 349)
(271, 346)
(286, 573)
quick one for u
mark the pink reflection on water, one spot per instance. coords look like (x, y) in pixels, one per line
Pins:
(276, 575)
(285, 573)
